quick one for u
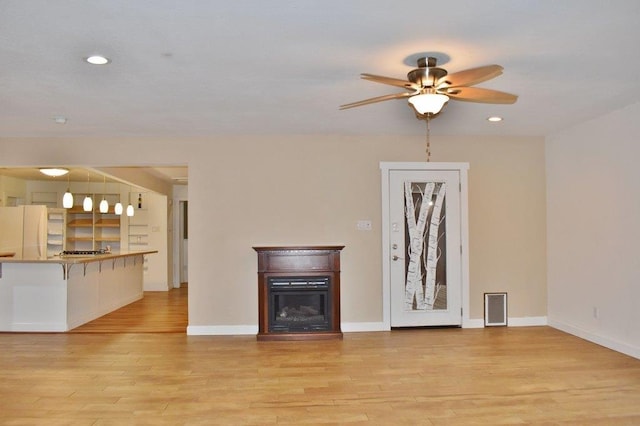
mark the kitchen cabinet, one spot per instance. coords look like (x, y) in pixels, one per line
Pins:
(37, 295)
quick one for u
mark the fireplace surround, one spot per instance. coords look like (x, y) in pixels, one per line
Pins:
(298, 292)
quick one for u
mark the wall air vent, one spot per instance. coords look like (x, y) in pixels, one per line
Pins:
(495, 309)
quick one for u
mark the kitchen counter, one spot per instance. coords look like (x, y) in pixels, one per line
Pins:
(75, 258)
(63, 292)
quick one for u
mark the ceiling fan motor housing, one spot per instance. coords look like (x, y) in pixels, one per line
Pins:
(426, 77)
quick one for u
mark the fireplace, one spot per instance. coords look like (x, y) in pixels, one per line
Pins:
(299, 292)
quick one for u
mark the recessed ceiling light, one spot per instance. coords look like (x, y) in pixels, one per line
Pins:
(494, 119)
(98, 60)
(54, 171)
(60, 119)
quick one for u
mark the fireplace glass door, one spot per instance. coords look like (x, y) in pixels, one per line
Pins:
(299, 304)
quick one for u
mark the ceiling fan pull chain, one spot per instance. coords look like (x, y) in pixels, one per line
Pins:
(428, 139)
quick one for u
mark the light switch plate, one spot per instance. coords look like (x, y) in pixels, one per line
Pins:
(364, 225)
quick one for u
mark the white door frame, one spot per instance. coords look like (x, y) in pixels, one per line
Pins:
(178, 197)
(386, 168)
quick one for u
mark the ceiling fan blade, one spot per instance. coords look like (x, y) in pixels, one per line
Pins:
(389, 80)
(377, 99)
(477, 94)
(470, 77)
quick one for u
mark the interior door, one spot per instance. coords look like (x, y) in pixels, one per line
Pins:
(425, 248)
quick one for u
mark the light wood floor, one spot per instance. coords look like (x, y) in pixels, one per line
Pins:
(156, 312)
(490, 376)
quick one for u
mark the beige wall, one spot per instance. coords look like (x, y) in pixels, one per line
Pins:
(269, 190)
(11, 187)
(507, 219)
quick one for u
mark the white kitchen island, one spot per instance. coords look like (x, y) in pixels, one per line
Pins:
(60, 293)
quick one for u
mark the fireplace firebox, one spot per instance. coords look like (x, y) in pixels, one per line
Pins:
(299, 292)
(299, 304)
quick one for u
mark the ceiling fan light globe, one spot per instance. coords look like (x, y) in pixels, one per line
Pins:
(428, 103)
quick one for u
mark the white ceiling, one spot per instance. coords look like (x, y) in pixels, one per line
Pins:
(195, 67)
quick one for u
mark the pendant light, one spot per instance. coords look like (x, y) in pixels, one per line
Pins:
(118, 209)
(87, 204)
(104, 204)
(130, 211)
(67, 198)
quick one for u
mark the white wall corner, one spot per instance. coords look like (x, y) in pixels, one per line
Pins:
(633, 351)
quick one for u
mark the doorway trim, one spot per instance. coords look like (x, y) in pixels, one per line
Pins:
(386, 168)
(178, 198)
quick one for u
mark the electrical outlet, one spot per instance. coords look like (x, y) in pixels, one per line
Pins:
(364, 225)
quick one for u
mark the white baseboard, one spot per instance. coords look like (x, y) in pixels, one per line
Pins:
(156, 287)
(614, 345)
(221, 330)
(38, 327)
(466, 323)
(347, 327)
(511, 322)
(350, 327)
(527, 321)
(225, 330)
(472, 323)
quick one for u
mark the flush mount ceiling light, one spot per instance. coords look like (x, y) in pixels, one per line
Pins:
(97, 60)
(54, 171)
(494, 119)
(60, 119)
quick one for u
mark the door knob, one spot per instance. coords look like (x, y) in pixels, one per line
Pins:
(394, 257)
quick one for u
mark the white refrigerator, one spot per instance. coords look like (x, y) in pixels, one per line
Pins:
(23, 231)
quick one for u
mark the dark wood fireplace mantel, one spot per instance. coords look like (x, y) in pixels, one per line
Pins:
(298, 262)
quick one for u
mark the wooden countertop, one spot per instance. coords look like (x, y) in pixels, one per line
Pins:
(7, 253)
(75, 259)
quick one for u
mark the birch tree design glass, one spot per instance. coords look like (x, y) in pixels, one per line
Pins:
(425, 251)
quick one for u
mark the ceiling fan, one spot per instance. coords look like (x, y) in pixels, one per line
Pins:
(430, 87)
